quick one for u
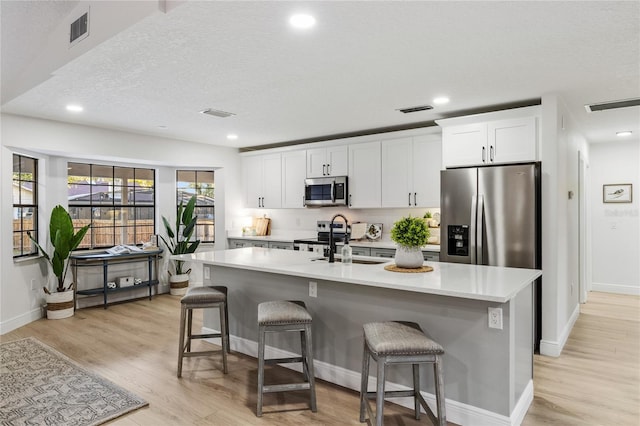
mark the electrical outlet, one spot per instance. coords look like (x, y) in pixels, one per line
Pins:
(495, 318)
(34, 284)
(313, 289)
(207, 273)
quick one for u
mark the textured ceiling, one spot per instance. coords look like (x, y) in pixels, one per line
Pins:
(350, 73)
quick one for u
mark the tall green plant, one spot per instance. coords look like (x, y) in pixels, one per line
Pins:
(64, 240)
(179, 240)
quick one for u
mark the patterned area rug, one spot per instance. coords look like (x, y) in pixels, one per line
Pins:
(41, 386)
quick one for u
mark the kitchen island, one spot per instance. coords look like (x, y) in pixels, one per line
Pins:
(487, 371)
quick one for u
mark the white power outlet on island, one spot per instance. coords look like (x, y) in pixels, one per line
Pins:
(207, 272)
(495, 318)
(313, 289)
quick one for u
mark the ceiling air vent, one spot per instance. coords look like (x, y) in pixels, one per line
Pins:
(603, 106)
(415, 109)
(216, 113)
(79, 29)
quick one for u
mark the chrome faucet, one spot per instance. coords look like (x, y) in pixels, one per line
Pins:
(332, 243)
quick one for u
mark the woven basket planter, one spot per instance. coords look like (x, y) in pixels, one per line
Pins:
(60, 304)
(178, 284)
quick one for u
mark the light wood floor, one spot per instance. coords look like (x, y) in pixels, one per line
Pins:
(596, 381)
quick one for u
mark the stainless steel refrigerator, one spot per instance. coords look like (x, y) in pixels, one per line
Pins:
(491, 216)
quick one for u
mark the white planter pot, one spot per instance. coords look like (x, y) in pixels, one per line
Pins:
(178, 284)
(409, 257)
(60, 304)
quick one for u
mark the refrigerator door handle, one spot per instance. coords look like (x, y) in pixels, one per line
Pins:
(480, 228)
(472, 231)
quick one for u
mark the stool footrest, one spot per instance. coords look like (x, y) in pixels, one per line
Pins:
(392, 394)
(201, 353)
(205, 336)
(282, 360)
(286, 387)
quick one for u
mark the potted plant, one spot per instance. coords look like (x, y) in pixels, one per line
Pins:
(179, 242)
(64, 240)
(410, 233)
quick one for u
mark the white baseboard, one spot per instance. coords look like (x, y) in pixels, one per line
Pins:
(616, 288)
(457, 412)
(20, 320)
(554, 348)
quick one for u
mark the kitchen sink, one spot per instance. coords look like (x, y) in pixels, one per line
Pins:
(359, 261)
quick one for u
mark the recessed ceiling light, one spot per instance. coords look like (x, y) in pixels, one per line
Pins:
(441, 100)
(302, 21)
(75, 108)
(624, 133)
(232, 136)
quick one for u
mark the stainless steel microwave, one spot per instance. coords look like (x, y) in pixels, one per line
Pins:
(326, 191)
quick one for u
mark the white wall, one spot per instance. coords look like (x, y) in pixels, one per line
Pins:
(560, 142)
(55, 143)
(615, 228)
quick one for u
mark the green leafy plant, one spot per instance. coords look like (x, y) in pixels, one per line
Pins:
(410, 232)
(179, 240)
(64, 240)
(427, 215)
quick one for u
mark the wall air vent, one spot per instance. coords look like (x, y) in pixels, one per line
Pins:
(415, 109)
(603, 106)
(79, 29)
(216, 113)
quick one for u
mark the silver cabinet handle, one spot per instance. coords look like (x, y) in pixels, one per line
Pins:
(409, 199)
(304, 204)
(415, 199)
(484, 155)
(491, 153)
(324, 170)
(328, 169)
(349, 200)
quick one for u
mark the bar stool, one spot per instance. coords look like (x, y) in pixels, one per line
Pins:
(400, 343)
(279, 316)
(203, 298)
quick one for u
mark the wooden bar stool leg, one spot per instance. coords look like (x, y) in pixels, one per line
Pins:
(189, 330)
(440, 401)
(224, 337)
(382, 365)
(416, 390)
(183, 314)
(309, 358)
(261, 343)
(364, 381)
(303, 354)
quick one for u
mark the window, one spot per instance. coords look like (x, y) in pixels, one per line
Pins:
(118, 202)
(25, 205)
(201, 184)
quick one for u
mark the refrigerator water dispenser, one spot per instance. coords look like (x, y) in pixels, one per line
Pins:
(458, 239)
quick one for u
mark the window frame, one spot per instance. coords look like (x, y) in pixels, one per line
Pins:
(199, 233)
(21, 231)
(119, 226)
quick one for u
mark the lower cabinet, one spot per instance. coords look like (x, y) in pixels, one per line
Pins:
(240, 243)
(282, 245)
(360, 251)
(432, 256)
(383, 252)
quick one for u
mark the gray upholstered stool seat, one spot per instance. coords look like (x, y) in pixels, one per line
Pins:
(203, 298)
(400, 343)
(277, 316)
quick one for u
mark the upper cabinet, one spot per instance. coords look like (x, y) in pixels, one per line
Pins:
(411, 171)
(327, 161)
(263, 180)
(487, 139)
(364, 175)
(293, 174)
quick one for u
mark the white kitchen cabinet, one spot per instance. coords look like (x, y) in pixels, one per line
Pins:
(364, 175)
(328, 161)
(509, 140)
(293, 175)
(411, 171)
(383, 252)
(263, 181)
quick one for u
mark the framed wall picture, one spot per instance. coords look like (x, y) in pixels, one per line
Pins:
(617, 193)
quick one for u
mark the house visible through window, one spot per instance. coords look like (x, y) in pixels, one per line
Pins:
(201, 184)
(25, 205)
(118, 202)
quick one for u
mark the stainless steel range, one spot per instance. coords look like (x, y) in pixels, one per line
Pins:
(341, 232)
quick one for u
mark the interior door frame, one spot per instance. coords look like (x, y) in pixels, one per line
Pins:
(584, 284)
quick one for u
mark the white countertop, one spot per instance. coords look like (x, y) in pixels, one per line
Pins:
(489, 283)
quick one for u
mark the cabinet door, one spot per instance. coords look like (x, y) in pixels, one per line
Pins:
(431, 256)
(426, 159)
(364, 175)
(316, 162)
(238, 244)
(464, 145)
(397, 188)
(281, 245)
(383, 252)
(252, 181)
(272, 181)
(360, 251)
(337, 161)
(512, 141)
(294, 171)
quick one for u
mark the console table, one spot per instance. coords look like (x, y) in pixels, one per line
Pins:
(104, 259)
